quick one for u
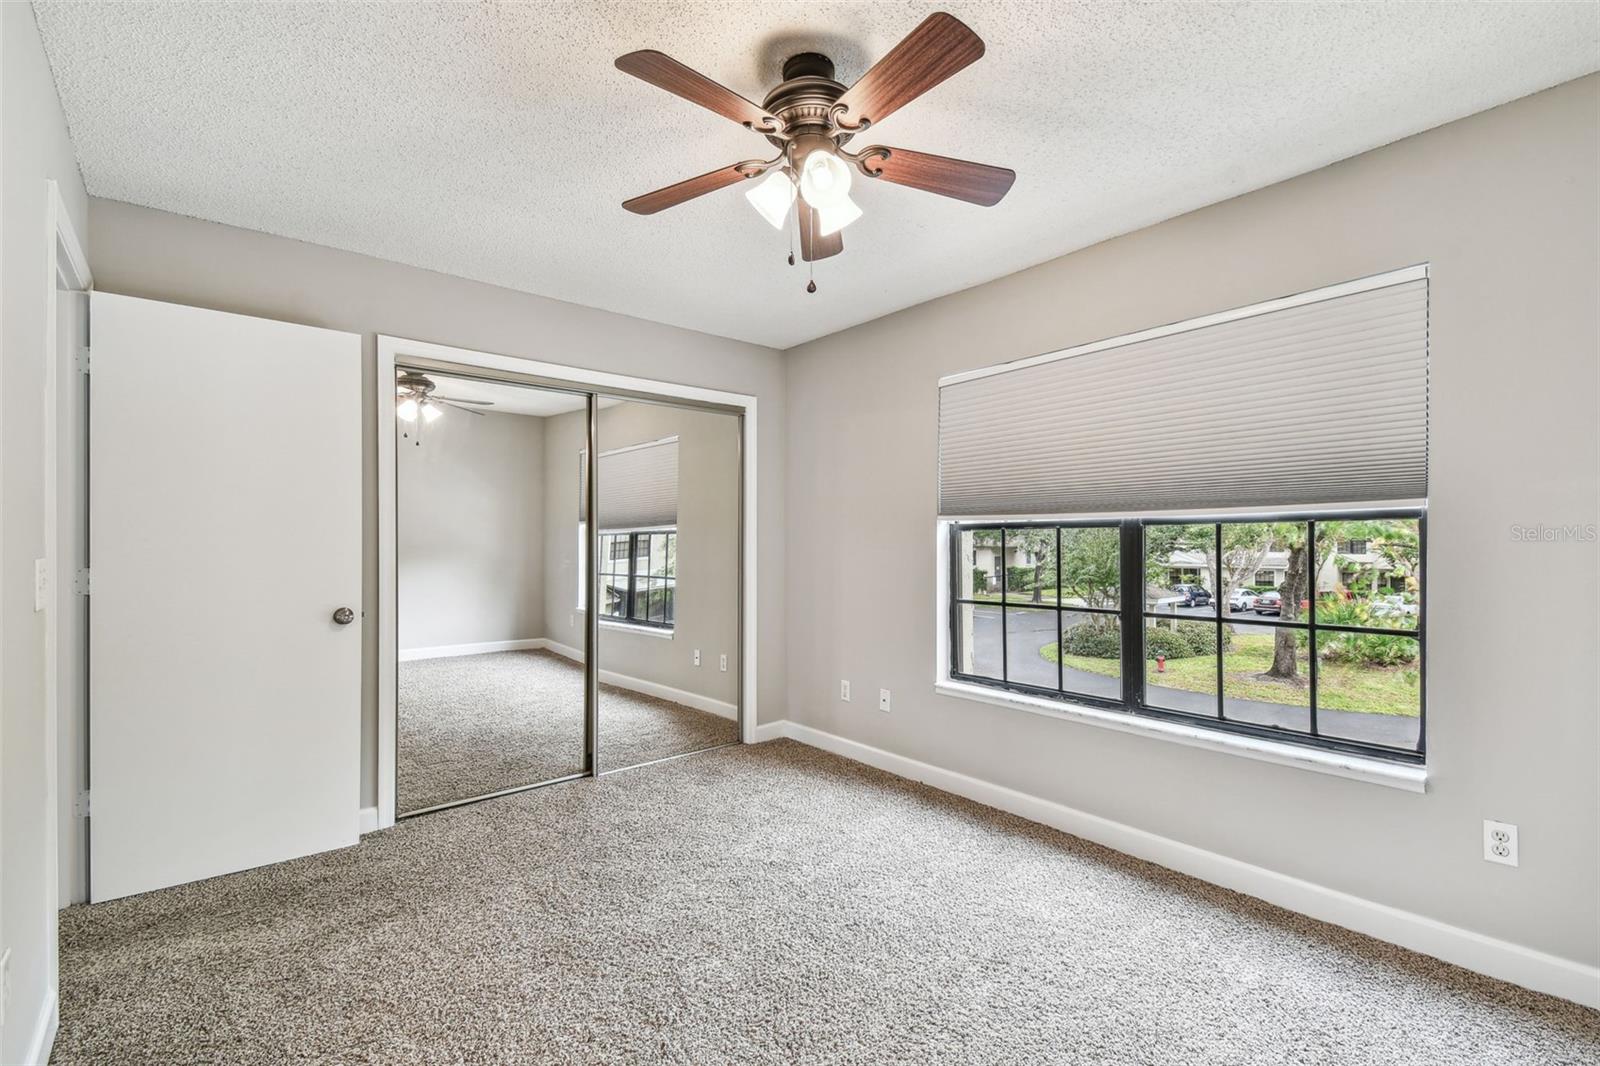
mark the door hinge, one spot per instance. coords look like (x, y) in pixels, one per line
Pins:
(80, 582)
(83, 359)
(80, 806)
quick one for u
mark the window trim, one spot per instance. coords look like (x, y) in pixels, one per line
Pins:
(1133, 616)
(628, 620)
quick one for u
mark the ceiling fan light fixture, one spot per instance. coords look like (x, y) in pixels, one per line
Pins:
(831, 220)
(406, 409)
(772, 197)
(430, 411)
(824, 179)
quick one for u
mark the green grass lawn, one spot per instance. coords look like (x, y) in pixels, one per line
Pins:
(1340, 686)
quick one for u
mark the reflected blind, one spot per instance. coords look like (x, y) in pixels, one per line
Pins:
(638, 486)
(1317, 398)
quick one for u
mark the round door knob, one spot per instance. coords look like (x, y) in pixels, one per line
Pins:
(344, 616)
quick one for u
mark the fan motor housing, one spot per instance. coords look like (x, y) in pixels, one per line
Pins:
(805, 97)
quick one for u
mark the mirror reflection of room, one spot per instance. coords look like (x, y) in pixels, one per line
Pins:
(668, 579)
(485, 700)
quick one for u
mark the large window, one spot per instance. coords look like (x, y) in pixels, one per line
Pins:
(1171, 619)
(639, 576)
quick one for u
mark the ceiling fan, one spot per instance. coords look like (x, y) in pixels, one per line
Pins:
(414, 398)
(810, 117)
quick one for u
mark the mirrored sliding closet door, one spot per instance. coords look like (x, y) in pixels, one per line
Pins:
(490, 586)
(668, 533)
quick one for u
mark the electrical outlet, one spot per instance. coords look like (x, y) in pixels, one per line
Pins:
(883, 699)
(1500, 842)
(724, 662)
(697, 656)
(844, 691)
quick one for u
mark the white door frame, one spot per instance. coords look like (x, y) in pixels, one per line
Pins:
(66, 267)
(397, 349)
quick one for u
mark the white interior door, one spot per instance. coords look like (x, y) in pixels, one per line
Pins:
(224, 534)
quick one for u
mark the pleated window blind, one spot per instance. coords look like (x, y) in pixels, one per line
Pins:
(1313, 399)
(638, 486)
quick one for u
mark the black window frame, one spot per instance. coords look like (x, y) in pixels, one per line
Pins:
(1134, 616)
(630, 599)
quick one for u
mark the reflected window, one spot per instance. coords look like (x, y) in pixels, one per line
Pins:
(639, 576)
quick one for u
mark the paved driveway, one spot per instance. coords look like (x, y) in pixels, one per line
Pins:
(1029, 631)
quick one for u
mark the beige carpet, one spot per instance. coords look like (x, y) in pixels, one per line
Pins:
(474, 724)
(758, 905)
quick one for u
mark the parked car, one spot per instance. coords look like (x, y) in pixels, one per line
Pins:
(1240, 600)
(1185, 596)
(1393, 607)
(1268, 603)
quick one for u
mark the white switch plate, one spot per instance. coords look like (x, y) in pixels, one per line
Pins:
(41, 585)
(1500, 842)
(724, 662)
(844, 691)
(697, 656)
(883, 699)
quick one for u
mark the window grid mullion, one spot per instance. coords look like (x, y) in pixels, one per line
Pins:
(1216, 609)
(1311, 617)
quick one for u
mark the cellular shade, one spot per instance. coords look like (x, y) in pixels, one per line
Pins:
(638, 486)
(1313, 399)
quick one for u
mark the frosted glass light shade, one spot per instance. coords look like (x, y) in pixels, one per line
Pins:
(831, 220)
(772, 197)
(430, 411)
(406, 410)
(824, 179)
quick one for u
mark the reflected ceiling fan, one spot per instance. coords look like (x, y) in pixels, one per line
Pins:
(414, 399)
(810, 117)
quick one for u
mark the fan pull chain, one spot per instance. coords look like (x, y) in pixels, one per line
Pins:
(811, 264)
(791, 230)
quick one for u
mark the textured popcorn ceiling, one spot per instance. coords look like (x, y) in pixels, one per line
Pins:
(497, 142)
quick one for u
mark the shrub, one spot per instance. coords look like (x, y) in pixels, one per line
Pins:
(1168, 642)
(1202, 636)
(980, 579)
(1369, 649)
(1094, 640)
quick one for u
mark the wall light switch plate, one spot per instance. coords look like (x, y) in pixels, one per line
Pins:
(844, 691)
(883, 699)
(1500, 842)
(697, 656)
(724, 663)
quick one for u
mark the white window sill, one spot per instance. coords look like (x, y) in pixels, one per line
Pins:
(1374, 771)
(643, 631)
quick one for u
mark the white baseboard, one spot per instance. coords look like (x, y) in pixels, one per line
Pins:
(650, 688)
(447, 651)
(368, 821)
(44, 1030)
(771, 731)
(1501, 959)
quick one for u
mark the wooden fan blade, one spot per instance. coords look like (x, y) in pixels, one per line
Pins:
(667, 73)
(673, 195)
(932, 52)
(813, 246)
(457, 399)
(457, 405)
(976, 183)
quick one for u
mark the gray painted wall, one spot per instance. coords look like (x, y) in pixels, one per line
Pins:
(1506, 206)
(35, 148)
(469, 547)
(142, 252)
(707, 605)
